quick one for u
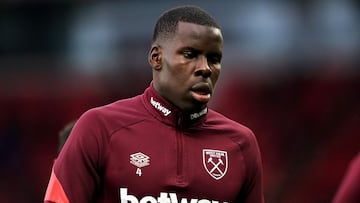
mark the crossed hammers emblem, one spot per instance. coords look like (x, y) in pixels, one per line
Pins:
(215, 162)
(216, 165)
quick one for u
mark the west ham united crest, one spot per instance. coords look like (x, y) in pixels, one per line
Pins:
(215, 162)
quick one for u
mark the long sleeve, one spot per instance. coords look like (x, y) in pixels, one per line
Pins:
(75, 173)
(252, 192)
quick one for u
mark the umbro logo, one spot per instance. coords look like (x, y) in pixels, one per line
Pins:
(140, 160)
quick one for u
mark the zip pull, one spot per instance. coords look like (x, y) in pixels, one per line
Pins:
(179, 121)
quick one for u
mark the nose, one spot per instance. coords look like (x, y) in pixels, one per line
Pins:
(203, 69)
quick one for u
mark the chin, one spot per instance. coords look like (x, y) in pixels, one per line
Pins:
(193, 106)
(198, 106)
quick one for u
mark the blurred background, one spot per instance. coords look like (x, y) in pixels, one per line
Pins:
(290, 73)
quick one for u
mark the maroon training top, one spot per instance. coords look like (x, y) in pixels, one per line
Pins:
(144, 149)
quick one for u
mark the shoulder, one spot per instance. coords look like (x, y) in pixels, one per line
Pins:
(130, 106)
(235, 131)
(222, 122)
(115, 115)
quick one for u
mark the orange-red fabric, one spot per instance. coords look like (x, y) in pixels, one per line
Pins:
(55, 192)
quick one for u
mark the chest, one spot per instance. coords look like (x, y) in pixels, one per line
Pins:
(149, 159)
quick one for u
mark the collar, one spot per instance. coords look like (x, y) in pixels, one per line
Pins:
(169, 113)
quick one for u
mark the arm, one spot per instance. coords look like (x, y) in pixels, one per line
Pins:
(75, 174)
(252, 191)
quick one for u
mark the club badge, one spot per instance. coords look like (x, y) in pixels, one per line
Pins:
(215, 162)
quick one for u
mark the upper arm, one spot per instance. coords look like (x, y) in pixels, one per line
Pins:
(252, 191)
(78, 165)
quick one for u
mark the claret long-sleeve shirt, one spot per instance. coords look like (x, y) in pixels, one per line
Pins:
(144, 149)
(349, 188)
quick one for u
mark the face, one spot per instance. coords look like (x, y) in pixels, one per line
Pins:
(187, 66)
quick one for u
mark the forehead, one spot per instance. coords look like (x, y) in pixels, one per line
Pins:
(194, 34)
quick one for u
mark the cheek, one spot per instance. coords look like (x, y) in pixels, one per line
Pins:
(177, 70)
(170, 74)
(215, 75)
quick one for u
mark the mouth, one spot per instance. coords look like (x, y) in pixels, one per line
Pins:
(201, 92)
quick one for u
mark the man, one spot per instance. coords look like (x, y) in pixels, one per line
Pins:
(165, 145)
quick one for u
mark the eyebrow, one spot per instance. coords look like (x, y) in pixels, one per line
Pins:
(199, 51)
(190, 48)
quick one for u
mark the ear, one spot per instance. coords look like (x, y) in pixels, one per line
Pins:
(155, 57)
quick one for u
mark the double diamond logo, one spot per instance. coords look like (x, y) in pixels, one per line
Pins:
(215, 162)
(140, 160)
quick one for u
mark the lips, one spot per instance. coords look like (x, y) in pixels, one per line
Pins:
(201, 92)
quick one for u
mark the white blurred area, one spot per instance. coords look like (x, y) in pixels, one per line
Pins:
(113, 36)
(117, 35)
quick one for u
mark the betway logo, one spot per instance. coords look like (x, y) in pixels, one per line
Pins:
(164, 197)
(159, 107)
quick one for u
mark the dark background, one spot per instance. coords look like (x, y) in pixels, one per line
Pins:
(290, 73)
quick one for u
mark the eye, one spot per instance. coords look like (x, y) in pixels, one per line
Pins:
(214, 58)
(189, 54)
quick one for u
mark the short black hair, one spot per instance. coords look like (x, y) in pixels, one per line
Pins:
(167, 22)
(64, 134)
